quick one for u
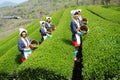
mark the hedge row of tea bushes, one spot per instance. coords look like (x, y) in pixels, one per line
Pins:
(54, 56)
(107, 13)
(10, 59)
(53, 60)
(101, 48)
(113, 7)
(100, 51)
(10, 41)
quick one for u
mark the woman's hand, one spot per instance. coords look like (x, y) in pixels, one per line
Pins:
(27, 47)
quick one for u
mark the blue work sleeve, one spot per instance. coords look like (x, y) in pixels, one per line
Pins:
(20, 46)
(73, 27)
(43, 31)
(46, 25)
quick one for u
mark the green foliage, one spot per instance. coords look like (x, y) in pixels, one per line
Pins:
(9, 52)
(54, 58)
(11, 58)
(7, 39)
(38, 74)
(57, 16)
(3, 76)
(11, 41)
(101, 48)
(114, 7)
(108, 14)
(57, 58)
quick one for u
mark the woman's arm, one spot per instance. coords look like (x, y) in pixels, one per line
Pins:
(20, 46)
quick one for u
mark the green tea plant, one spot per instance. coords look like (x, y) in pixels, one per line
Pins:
(106, 13)
(101, 48)
(54, 57)
(11, 58)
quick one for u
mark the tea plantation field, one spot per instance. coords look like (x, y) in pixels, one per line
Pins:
(53, 60)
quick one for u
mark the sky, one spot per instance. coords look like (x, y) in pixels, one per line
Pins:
(15, 1)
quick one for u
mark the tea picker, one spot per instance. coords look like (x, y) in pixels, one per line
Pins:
(24, 44)
(49, 26)
(76, 32)
(43, 31)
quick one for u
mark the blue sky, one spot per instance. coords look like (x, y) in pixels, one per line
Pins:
(16, 1)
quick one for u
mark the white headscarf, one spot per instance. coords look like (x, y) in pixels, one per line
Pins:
(41, 22)
(79, 10)
(48, 18)
(21, 30)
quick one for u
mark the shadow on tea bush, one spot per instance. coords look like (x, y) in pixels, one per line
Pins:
(37, 74)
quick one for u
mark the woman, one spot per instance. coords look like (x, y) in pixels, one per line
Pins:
(83, 21)
(48, 22)
(24, 44)
(49, 25)
(76, 32)
(43, 31)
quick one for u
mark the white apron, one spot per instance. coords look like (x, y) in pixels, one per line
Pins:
(77, 36)
(45, 37)
(78, 39)
(27, 51)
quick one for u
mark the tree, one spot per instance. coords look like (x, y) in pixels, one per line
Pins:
(102, 2)
(83, 1)
(77, 2)
(107, 2)
(94, 2)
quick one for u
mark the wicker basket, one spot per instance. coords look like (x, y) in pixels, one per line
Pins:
(53, 27)
(85, 21)
(84, 28)
(34, 44)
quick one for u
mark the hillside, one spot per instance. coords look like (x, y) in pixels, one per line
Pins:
(100, 49)
(7, 3)
(28, 11)
(35, 9)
